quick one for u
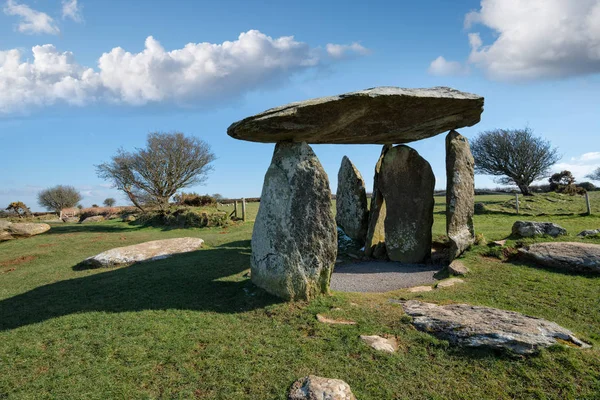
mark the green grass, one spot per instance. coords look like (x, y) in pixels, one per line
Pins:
(193, 326)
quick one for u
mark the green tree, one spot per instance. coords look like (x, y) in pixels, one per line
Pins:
(109, 202)
(19, 208)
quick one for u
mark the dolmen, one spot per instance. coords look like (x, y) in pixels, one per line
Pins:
(294, 242)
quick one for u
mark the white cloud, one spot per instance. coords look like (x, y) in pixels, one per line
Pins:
(344, 50)
(71, 9)
(536, 39)
(581, 165)
(196, 73)
(32, 21)
(442, 67)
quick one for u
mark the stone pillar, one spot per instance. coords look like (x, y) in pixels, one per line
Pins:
(460, 194)
(352, 213)
(294, 242)
(402, 207)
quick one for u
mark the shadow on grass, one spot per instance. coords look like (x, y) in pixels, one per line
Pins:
(190, 281)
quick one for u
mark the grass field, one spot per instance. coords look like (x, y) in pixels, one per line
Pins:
(193, 326)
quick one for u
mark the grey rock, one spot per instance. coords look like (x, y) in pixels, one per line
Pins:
(474, 326)
(457, 268)
(95, 218)
(317, 388)
(570, 255)
(148, 251)
(375, 242)
(388, 345)
(71, 220)
(403, 207)
(532, 228)
(383, 115)
(589, 232)
(294, 241)
(4, 225)
(460, 194)
(27, 229)
(352, 214)
(4, 236)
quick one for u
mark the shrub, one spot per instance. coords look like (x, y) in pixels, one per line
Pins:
(588, 186)
(183, 218)
(195, 200)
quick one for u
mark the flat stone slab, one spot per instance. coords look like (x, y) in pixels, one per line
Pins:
(318, 388)
(533, 228)
(449, 282)
(388, 345)
(475, 326)
(570, 255)
(381, 115)
(420, 289)
(153, 250)
(381, 276)
(27, 229)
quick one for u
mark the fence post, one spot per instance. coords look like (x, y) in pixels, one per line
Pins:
(235, 208)
(587, 203)
(243, 209)
(517, 201)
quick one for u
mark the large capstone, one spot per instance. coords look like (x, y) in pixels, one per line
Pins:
(352, 214)
(294, 242)
(403, 214)
(568, 255)
(382, 115)
(460, 194)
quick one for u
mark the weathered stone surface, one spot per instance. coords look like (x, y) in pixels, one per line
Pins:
(5, 235)
(71, 220)
(26, 229)
(420, 289)
(474, 326)
(294, 242)
(532, 228)
(4, 225)
(389, 345)
(383, 115)
(589, 232)
(375, 243)
(403, 207)
(352, 214)
(153, 250)
(457, 268)
(460, 194)
(569, 255)
(449, 282)
(317, 388)
(95, 218)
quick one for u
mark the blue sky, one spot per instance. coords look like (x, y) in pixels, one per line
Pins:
(79, 79)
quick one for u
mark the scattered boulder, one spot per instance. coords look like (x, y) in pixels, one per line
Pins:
(323, 319)
(449, 282)
(352, 214)
(317, 388)
(460, 194)
(569, 255)
(457, 268)
(480, 208)
(532, 228)
(95, 218)
(474, 326)
(71, 220)
(589, 232)
(374, 116)
(403, 206)
(389, 345)
(294, 242)
(27, 229)
(419, 289)
(153, 250)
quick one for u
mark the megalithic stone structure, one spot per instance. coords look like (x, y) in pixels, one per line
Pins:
(460, 194)
(352, 211)
(375, 243)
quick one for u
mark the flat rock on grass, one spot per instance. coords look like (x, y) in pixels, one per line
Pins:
(474, 326)
(317, 388)
(388, 345)
(569, 255)
(458, 268)
(589, 232)
(449, 282)
(420, 289)
(27, 229)
(153, 250)
(95, 218)
(381, 115)
(532, 228)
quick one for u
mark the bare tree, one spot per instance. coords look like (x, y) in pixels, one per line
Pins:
(58, 197)
(168, 163)
(516, 155)
(595, 176)
(109, 202)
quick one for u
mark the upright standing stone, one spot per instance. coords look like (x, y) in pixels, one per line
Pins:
(375, 243)
(352, 213)
(294, 242)
(460, 194)
(403, 210)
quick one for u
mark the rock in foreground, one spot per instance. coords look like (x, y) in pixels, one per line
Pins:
(316, 388)
(532, 228)
(382, 115)
(153, 250)
(294, 241)
(352, 214)
(474, 326)
(569, 255)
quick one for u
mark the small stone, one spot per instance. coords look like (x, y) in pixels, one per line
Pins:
(457, 268)
(589, 232)
(569, 255)
(389, 345)
(532, 228)
(449, 282)
(330, 321)
(500, 243)
(317, 388)
(419, 289)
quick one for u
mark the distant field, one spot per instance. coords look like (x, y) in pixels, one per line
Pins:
(193, 326)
